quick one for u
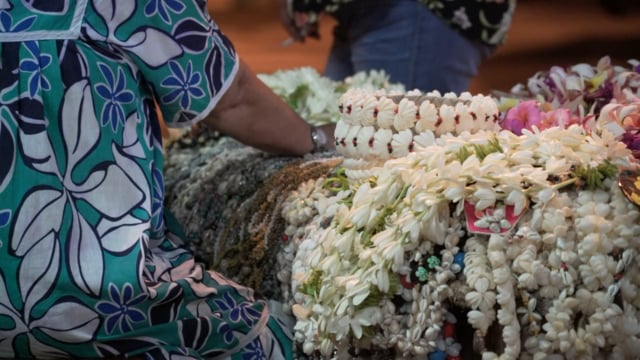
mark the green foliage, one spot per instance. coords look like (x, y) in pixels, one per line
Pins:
(481, 151)
(592, 177)
(312, 286)
(463, 154)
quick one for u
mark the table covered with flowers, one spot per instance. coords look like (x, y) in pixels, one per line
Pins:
(519, 240)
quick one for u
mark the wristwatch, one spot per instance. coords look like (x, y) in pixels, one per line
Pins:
(319, 139)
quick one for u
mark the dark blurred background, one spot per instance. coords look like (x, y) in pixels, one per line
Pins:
(544, 33)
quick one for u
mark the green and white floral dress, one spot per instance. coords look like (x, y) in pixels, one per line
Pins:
(88, 265)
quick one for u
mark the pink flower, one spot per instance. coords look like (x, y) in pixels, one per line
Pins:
(558, 117)
(632, 121)
(525, 115)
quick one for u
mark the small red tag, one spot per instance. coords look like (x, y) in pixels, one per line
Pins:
(497, 219)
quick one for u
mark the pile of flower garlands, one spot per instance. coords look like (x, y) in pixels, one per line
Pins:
(530, 232)
(315, 97)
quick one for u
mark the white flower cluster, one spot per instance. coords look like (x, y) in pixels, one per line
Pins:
(565, 279)
(314, 97)
(304, 210)
(379, 125)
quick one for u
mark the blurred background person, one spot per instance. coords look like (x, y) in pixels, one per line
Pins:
(426, 44)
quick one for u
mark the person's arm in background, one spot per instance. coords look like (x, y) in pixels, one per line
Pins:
(288, 22)
(299, 25)
(254, 115)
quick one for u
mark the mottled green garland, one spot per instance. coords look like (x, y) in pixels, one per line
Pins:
(227, 197)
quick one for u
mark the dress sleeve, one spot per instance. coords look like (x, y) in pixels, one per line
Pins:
(179, 51)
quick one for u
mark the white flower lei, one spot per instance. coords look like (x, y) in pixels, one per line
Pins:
(347, 273)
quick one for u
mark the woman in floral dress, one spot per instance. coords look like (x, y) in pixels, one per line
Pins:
(88, 265)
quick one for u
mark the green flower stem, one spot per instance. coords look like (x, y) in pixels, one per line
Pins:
(560, 185)
(337, 183)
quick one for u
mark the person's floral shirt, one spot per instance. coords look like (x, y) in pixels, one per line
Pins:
(484, 20)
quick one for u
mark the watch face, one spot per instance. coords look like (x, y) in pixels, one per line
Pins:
(629, 182)
(321, 137)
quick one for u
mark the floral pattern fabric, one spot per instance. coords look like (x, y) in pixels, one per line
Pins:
(88, 265)
(480, 20)
(485, 20)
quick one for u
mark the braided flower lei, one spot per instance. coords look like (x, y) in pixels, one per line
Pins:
(379, 125)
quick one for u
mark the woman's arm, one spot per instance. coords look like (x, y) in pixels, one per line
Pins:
(253, 114)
